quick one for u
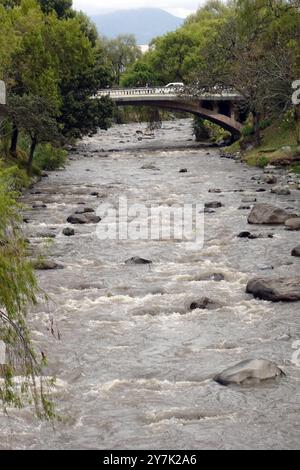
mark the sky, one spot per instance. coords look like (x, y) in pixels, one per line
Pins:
(180, 8)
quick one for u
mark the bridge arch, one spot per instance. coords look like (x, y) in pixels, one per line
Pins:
(219, 108)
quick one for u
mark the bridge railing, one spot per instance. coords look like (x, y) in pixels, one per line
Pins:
(140, 91)
(115, 93)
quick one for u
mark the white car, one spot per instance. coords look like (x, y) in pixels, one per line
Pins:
(174, 87)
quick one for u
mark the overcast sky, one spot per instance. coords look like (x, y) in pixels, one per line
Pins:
(176, 7)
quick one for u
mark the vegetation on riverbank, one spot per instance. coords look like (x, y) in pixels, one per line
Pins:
(252, 46)
(52, 62)
(278, 146)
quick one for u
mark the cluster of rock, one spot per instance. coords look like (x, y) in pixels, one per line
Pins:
(84, 215)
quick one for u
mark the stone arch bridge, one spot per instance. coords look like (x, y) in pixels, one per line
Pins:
(219, 108)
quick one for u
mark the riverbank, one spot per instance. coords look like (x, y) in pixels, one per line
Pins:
(134, 362)
(278, 147)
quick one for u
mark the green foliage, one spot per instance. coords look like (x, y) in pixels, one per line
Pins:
(14, 178)
(18, 289)
(205, 130)
(262, 162)
(122, 53)
(138, 75)
(53, 63)
(247, 130)
(49, 158)
(296, 168)
(265, 123)
(63, 8)
(200, 129)
(216, 133)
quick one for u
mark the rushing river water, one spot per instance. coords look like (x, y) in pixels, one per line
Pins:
(134, 366)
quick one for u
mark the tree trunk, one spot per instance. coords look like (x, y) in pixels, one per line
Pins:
(256, 124)
(297, 121)
(31, 154)
(14, 141)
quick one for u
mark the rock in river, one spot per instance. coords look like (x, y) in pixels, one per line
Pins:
(296, 251)
(204, 304)
(251, 370)
(268, 214)
(270, 179)
(137, 260)
(213, 205)
(293, 224)
(39, 205)
(275, 290)
(68, 232)
(281, 191)
(84, 210)
(46, 265)
(86, 218)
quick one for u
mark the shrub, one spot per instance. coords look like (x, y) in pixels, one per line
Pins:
(247, 130)
(262, 162)
(18, 290)
(201, 131)
(49, 158)
(14, 178)
(264, 124)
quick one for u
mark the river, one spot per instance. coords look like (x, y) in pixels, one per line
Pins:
(134, 365)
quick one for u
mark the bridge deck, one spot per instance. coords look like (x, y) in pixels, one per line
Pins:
(164, 93)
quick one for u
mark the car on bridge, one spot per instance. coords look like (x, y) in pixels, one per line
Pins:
(176, 87)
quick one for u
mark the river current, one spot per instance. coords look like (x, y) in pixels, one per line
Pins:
(134, 365)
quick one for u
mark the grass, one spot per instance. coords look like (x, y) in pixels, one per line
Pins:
(296, 168)
(278, 147)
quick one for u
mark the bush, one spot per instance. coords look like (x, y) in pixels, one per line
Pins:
(201, 131)
(247, 130)
(264, 124)
(14, 178)
(296, 168)
(262, 162)
(49, 158)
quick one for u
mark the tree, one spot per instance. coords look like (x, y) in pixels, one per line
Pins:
(63, 8)
(138, 75)
(122, 53)
(18, 291)
(37, 118)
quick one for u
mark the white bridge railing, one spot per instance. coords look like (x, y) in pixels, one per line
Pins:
(116, 93)
(140, 91)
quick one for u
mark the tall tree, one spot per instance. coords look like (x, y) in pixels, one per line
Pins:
(122, 53)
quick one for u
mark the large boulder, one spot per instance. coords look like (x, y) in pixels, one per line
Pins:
(253, 370)
(269, 215)
(293, 224)
(281, 191)
(86, 218)
(275, 290)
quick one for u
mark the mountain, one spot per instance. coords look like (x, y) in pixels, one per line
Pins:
(144, 23)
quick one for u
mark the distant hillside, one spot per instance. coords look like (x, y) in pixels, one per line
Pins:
(144, 23)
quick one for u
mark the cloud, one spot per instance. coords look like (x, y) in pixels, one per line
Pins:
(177, 7)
